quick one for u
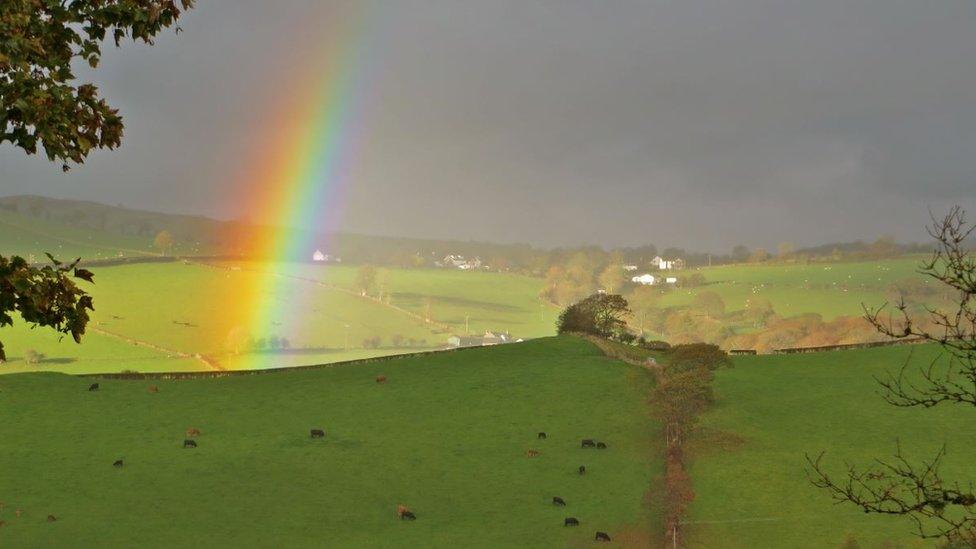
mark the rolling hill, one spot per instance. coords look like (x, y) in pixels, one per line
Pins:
(446, 435)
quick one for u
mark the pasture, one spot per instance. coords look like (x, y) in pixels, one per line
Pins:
(828, 289)
(192, 308)
(446, 435)
(748, 465)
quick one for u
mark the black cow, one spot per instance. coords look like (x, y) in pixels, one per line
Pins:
(543, 435)
(408, 515)
(189, 443)
(601, 445)
(317, 433)
(587, 443)
(118, 463)
(93, 387)
(582, 469)
(602, 536)
(556, 500)
(571, 521)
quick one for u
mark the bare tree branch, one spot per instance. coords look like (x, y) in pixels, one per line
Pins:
(938, 508)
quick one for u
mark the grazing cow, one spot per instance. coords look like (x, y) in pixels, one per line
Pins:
(601, 445)
(189, 443)
(317, 433)
(543, 435)
(582, 469)
(19, 512)
(401, 509)
(571, 521)
(556, 500)
(118, 463)
(587, 443)
(93, 387)
(602, 536)
(153, 389)
(380, 379)
(2, 523)
(407, 515)
(51, 518)
(532, 453)
(192, 432)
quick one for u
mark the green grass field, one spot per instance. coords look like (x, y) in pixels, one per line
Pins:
(749, 469)
(446, 435)
(193, 309)
(831, 290)
(32, 237)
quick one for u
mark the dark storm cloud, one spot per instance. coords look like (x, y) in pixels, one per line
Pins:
(701, 124)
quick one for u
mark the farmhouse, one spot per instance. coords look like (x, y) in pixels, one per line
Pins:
(320, 257)
(459, 262)
(668, 264)
(645, 279)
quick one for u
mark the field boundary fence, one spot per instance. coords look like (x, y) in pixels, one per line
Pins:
(228, 373)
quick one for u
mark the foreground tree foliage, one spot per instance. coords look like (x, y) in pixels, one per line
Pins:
(600, 314)
(939, 507)
(40, 100)
(44, 296)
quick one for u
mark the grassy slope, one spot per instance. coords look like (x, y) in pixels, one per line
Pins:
(25, 236)
(97, 353)
(783, 406)
(446, 435)
(144, 302)
(492, 301)
(832, 290)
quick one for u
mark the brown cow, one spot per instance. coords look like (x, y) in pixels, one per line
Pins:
(51, 518)
(153, 389)
(532, 453)
(192, 432)
(19, 512)
(401, 509)
(380, 379)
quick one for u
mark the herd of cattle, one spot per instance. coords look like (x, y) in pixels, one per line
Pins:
(402, 511)
(556, 500)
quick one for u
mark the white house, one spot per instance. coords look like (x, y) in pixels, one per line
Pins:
(318, 256)
(645, 279)
(668, 264)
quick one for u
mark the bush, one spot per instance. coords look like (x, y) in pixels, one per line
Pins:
(698, 355)
(656, 345)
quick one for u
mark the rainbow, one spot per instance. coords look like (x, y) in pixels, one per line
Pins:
(298, 177)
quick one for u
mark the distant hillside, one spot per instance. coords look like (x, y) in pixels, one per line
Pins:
(34, 225)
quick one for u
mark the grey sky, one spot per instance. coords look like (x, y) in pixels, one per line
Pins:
(700, 123)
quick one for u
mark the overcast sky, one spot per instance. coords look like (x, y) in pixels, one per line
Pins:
(701, 123)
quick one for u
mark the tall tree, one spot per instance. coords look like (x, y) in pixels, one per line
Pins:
(164, 241)
(938, 507)
(365, 278)
(612, 278)
(599, 314)
(41, 103)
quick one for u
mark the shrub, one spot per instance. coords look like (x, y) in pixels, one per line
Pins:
(698, 355)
